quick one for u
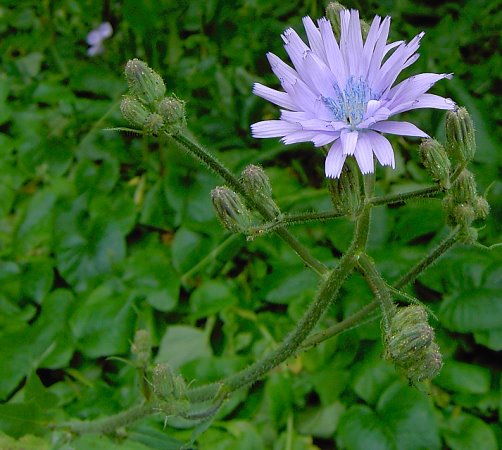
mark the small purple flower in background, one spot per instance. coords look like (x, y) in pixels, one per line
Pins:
(96, 37)
(342, 94)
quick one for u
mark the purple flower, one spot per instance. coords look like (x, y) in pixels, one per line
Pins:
(342, 93)
(96, 37)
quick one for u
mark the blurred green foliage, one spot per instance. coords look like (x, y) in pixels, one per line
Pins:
(104, 233)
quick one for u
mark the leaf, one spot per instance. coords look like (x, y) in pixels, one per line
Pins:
(188, 248)
(409, 416)
(320, 422)
(490, 338)
(27, 442)
(467, 432)
(25, 349)
(210, 298)
(104, 321)
(17, 418)
(279, 397)
(361, 429)
(472, 310)
(149, 274)
(462, 377)
(87, 442)
(181, 344)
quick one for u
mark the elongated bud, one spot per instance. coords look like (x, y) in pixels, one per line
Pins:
(134, 111)
(144, 83)
(410, 344)
(172, 110)
(464, 188)
(460, 136)
(333, 14)
(436, 161)
(233, 214)
(346, 190)
(257, 185)
(142, 348)
(168, 385)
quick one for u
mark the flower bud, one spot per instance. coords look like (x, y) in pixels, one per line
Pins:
(460, 137)
(144, 82)
(167, 385)
(463, 189)
(173, 111)
(346, 190)
(154, 124)
(481, 207)
(142, 347)
(257, 185)
(463, 214)
(233, 214)
(410, 345)
(134, 111)
(436, 161)
(333, 14)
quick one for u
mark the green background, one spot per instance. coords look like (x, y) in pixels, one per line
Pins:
(103, 233)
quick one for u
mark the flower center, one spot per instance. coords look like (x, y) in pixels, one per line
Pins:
(349, 105)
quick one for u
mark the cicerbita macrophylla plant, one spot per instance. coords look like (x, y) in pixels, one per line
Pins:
(340, 93)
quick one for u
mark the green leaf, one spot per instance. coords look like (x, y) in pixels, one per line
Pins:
(409, 415)
(27, 442)
(472, 310)
(17, 418)
(210, 298)
(279, 397)
(188, 248)
(320, 422)
(26, 349)
(490, 338)
(103, 323)
(181, 344)
(150, 274)
(467, 432)
(462, 377)
(156, 210)
(88, 442)
(37, 278)
(361, 429)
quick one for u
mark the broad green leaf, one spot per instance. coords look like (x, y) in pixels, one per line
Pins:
(361, 429)
(457, 376)
(467, 432)
(210, 298)
(26, 349)
(490, 338)
(27, 442)
(409, 416)
(472, 310)
(181, 344)
(18, 418)
(88, 442)
(156, 211)
(279, 397)
(320, 422)
(149, 274)
(188, 248)
(103, 323)
(37, 278)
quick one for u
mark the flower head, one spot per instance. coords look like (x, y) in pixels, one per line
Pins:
(96, 37)
(342, 93)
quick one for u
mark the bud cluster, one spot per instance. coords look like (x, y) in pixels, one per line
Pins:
(410, 344)
(146, 106)
(463, 205)
(168, 386)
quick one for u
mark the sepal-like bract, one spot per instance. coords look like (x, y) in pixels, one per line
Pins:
(233, 214)
(144, 83)
(436, 161)
(460, 135)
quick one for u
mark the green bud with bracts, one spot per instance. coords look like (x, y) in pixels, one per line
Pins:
(436, 161)
(233, 214)
(257, 185)
(460, 135)
(144, 83)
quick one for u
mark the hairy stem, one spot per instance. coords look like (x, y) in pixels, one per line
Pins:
(211, 162)
(111, 423)
(293, 219)
(327, 293)
(429, 259)
(401, 198)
